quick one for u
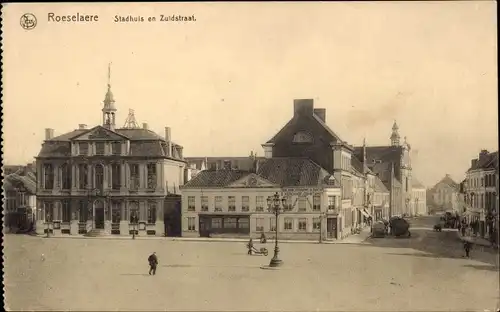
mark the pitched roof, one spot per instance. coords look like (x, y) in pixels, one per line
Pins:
(416, 183)
(315, 118)
(286, 172)
(379, 186)
(488, 161)
(292, 171)
(215, 178)
(385, 154)
(25, 181)
(241, 163)
(447, 180)
(143, 142)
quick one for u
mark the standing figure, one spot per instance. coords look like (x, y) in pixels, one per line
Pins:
(263, 239)
(250, 246)
(153, 262)
(467, 248)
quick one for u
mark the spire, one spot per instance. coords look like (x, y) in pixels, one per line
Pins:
(364, 156)
(109, 109)
(131, 122)
(395, 134)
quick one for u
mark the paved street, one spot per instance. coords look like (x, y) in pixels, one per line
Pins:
(426, 272)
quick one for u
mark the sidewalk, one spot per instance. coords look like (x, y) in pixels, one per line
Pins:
(352, 239)
(476, 240)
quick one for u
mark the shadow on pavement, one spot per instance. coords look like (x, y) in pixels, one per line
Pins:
(482, 267)
(134, 274)
(431, 244)
(209, 266)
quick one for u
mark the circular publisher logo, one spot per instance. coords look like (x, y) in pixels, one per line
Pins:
(28, 21)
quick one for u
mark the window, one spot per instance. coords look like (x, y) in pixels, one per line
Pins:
(218, 203)
(289, 205)
(151, 176)
(83, 148)
(302, 137)
(191, 223)
(99, 148)
(115, 212)
(151, 212)
(316, 224)
(259, 203)
(48, 172)
(482, 181)
(116, 148)
(83, 176)
(191, 203)
(316, 202)
(134, 176)
(272, 224)
(230, 223)
(216, 223)
(134, 210)
(66, 211)
(245, 203)
(243, 223)
(332, 202)
(116, 176)
(288, 224)
(204, 203)
(302, 224)
(231, 203)
(99, 177)
(302, 203)
(66, 176)
(259, 224)
(82, 211)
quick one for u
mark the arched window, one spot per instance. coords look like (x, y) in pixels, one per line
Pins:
(302, 137)
(99, 177)
(134, 210)
(66, 176)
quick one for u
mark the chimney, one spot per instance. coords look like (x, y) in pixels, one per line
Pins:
(82, 126)
(473, 163)
(145, 126)
(321, 113)
(49, 133)
(167, 134)
(303, 107)
(169, 142)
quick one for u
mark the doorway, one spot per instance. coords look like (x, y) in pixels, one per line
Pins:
(331, 227)
(99, 214)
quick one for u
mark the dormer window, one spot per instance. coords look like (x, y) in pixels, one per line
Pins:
(302, 137)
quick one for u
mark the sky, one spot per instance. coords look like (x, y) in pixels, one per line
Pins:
(226, 82)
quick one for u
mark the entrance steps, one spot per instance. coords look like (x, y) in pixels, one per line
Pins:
(97, 233)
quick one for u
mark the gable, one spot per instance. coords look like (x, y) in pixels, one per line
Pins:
(99, 133)
(304, 129)
(252, 181)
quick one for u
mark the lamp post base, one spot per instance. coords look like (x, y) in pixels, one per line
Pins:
(275, 262)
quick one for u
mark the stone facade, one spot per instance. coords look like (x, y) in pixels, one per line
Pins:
(98, 178)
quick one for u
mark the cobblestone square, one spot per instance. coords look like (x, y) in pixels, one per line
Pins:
(112, 275)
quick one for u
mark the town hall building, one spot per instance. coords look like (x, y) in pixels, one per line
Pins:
(92, 181)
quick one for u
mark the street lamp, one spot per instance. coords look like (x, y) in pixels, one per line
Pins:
(322, 215)
(276, 205)
(48, 225)
(134, 221)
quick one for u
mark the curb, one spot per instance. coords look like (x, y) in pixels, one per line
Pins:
(215, 240)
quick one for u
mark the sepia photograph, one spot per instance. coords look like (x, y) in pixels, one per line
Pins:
(250, 156)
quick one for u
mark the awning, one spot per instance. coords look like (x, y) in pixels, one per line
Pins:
(365, 213)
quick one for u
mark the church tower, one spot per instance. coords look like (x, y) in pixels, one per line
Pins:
(109, 109)
(395, 134)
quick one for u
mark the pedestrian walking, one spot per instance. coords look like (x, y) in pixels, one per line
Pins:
(467, 248)
(153, 262)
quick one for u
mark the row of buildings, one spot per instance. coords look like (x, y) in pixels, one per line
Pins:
(475, 197)
(94, 180)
